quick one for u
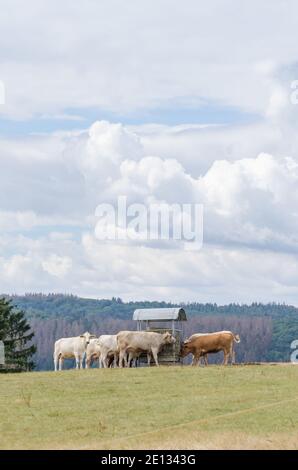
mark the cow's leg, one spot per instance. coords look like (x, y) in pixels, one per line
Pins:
(148, 358)
(104, 360)
(77, 361)
(61, 360)
(206, 359)
(130, 358)
(111, 360)
(81, 362)
(122, 358)
(195, 359)
(226, 358)
(88, 362)
(232, 355)
(155, 356)
(125, 360)
(56, 361)
(115, 361)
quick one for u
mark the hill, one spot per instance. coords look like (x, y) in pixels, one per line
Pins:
(266, 330)
(75, 308)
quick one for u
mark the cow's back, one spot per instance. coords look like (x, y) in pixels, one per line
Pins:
(108, 342)
(69, 345)
(138, 340)
(212, 341)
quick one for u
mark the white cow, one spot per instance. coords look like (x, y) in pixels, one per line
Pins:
(69, 348)
(93, 352)
(108, 349)
(142, 341)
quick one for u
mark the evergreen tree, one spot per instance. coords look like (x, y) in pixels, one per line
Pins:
(17, 336)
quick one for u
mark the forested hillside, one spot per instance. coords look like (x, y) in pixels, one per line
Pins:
(266, 330)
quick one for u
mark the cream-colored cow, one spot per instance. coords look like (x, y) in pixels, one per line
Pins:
(69, 348)
(136, 342)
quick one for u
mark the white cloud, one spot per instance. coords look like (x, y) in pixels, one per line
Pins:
(139, 55)
(103, 150)
(16, 267)
(151, 56)
(222, 274)
(249, 204)
(57, 265)
(17, 220)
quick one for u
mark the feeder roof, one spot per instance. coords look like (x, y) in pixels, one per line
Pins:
(160, 314)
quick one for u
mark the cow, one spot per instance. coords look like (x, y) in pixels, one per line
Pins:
(201, 344)
(93, 352)
(142, 342)
(68, 348)
(108, 349)
(133, 357)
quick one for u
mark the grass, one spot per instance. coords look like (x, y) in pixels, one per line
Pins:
(254, 407)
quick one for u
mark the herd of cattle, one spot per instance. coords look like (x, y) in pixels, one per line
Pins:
(125, 348)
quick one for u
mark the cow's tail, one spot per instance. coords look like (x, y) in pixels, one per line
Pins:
(236, 338)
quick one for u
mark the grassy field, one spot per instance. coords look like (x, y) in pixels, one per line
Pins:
(251, 407)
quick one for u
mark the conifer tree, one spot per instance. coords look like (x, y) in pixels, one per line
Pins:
(17, 336)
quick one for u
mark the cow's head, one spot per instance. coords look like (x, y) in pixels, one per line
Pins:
(87, 336)
(168, 338)
(185, 348)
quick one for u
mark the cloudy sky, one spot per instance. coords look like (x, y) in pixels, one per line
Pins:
(163, 101)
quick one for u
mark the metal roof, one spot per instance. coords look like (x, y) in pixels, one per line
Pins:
(160, 314)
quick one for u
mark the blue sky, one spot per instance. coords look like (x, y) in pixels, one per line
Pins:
(170, 115)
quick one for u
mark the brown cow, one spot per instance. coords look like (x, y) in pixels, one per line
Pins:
(201, 344)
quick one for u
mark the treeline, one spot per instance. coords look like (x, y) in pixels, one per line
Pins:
(266, 330)
(75, 308)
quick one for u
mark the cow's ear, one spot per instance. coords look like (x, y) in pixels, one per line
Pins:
(92, 336)
(82, 336)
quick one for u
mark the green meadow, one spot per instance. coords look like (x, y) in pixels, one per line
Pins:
(215, 407)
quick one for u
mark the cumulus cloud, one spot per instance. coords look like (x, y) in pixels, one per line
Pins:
(249, 204)
(223, 274)
(105, 147)
(57, 265)
(99, 60)
(245, 173)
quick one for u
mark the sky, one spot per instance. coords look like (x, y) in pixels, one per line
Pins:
(161, 101)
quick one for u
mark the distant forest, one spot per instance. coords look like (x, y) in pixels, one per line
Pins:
(266, 330)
